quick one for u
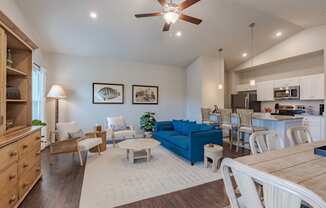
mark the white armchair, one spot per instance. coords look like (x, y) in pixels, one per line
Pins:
(70, 139)
(118, 128)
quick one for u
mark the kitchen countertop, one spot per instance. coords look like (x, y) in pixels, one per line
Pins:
(269, 117)
(266, 116)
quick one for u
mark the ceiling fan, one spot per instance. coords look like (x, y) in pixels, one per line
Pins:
(171, 12)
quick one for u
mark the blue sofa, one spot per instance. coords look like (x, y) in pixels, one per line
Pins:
(187, 138)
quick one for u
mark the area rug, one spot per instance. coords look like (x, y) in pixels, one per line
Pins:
(110, 181)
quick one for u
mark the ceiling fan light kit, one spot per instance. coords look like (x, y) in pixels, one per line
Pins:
(172, 12)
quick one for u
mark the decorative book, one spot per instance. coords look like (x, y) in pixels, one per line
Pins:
(321, 151)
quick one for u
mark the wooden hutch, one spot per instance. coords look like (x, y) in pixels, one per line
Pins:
(20, 162)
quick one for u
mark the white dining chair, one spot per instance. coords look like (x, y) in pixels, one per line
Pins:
(299, 135)
(263, 141)
(277, 192)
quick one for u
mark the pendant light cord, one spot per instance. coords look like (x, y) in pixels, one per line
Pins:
(252, 46)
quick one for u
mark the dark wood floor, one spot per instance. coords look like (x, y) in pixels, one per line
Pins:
(61, 185)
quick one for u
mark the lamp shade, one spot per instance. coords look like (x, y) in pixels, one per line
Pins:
(56, 92)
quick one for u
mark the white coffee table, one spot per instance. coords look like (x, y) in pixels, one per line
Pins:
(138, 148)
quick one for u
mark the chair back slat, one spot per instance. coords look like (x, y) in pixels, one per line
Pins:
(299, 135)
(205, 112)
(226, 115)
(264, 141)
(277, 192)
(245, 117)
(276, 197)
(247, 188)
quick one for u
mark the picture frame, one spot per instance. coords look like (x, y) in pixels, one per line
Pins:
(108, 93)
(145, 95)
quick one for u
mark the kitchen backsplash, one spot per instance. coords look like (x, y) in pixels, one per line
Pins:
(313, 104)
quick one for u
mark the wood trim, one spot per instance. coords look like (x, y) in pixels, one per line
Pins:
(11, 27)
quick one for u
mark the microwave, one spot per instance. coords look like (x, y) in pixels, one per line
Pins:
(287, 93)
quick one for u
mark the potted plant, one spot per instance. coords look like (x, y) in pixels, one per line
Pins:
(147, 123)
(38, 123)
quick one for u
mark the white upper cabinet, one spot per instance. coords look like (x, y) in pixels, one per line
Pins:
(312, 87)
(286, 83)
(265, 91)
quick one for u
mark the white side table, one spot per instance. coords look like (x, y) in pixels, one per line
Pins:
(214, 153)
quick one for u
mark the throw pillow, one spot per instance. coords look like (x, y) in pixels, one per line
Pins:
(117, 123)
(76, 135)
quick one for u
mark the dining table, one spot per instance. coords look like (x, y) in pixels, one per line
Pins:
(298, 164)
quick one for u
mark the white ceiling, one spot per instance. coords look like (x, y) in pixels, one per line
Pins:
(65, 27)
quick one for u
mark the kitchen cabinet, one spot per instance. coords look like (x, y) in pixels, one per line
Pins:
(316, 125)
(265, 91)
(286, 83)
(245, 87)
(312, 87)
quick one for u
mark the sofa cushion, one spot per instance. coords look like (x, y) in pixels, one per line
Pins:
(166, 134)
(182, 127)
(180, 141)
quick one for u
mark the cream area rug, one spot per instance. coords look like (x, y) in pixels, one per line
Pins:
(110, 180)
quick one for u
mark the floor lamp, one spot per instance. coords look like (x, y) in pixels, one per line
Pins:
(56, 92)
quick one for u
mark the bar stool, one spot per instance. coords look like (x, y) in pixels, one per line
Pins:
(245, 125)
(226, 124)
(205, 113)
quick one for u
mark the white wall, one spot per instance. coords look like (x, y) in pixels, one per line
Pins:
(194, 93)
(76, 75)
(295, 67)
(10, 8)
(308, 41)
(203, 77)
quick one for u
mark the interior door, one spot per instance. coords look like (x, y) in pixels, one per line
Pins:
(3, 62)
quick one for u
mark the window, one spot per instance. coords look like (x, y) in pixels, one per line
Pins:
(38, 92)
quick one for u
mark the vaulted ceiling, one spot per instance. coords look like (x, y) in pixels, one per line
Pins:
(65, 27)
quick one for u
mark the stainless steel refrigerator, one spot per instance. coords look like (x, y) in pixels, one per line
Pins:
(245, 100)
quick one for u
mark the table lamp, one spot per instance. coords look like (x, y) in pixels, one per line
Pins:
(56, 92)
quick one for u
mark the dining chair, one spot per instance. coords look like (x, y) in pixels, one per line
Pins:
(263, 141)
(277, 192)
(299, 135)
(226, 123)
(245, 125)
(205, 113)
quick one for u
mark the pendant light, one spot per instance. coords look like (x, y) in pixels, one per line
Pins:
(220, 85)
(252, 49)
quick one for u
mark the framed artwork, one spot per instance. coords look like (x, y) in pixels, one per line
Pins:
(106, 93)
(143, 94)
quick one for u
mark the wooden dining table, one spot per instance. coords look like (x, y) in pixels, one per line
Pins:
(297, 164)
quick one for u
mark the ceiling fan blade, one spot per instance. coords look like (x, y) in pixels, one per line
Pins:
(148, 14)
(162, 2)
(190, 19)
(166, 27)
(187, 3)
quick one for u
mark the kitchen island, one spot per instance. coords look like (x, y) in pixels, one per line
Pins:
(277, 123)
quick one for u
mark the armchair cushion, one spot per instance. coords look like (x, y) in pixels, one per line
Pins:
(129, 133)
(116, 123)
(86, 144)
(65, 127)
(76, 135)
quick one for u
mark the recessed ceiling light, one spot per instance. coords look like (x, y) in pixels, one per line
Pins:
(244, 55)
(93, 15)
(278, 34)
(178, 34)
